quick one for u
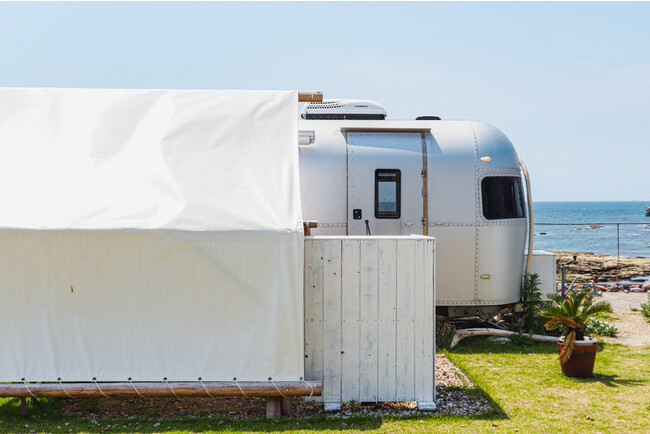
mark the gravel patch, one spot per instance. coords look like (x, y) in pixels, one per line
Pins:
(633, 330)
(453, 397)
(625, 301)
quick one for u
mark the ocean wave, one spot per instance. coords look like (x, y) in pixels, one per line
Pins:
(591, 227)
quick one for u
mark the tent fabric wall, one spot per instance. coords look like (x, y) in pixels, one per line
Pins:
(149, 235)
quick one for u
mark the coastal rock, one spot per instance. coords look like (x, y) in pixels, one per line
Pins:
(587, 265)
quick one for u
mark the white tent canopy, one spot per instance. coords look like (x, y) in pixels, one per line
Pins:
(138, 159)
(149, 234)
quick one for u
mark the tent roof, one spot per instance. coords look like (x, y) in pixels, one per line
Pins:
(105, 159)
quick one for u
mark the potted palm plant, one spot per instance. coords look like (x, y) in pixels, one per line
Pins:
(577, 352)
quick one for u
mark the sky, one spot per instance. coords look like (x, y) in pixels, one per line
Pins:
(568, 83)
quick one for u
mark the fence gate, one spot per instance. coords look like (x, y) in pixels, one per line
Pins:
(370, 319)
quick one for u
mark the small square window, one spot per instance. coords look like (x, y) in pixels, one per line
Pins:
(387, 193)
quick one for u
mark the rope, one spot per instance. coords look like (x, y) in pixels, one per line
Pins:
(100, 389)
(64, 391)
(170, 388)
(276, 388)
(206, 390)
(135, 388)
(590, 223)
(310, 386)
(29, 391)
(242, 392)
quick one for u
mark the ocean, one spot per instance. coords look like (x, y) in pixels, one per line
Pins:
(634, 238)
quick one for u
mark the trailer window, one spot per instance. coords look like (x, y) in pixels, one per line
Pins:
(502, 197)
(387, 193)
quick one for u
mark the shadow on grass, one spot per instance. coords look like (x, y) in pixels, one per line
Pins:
(46, 416)
(481, 345)
(611, 380)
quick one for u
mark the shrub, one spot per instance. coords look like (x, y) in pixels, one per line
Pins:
(531, 300)
(522, 340)
(645, 309)
(445, 332)
(600, 327)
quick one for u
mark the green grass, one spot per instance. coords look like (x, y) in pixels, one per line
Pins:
(533, 395)
(524, 383)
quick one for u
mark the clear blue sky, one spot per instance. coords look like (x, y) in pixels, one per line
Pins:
(569, 83)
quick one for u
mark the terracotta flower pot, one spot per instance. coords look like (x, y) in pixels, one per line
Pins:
(581, 363)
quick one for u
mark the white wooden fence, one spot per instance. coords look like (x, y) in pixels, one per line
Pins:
(370, 319)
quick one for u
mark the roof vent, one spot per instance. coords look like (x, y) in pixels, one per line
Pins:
(344, 109)
(427, 118)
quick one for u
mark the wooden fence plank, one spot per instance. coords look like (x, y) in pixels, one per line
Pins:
(423, 333)
(405, 373)
(386, 339)
(332, 321)
(350, 322)
(314, 310)
(368, 325)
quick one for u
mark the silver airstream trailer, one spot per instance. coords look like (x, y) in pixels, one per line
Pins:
(459, 181)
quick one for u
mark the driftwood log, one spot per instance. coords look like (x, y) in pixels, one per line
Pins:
(151, 389)
(465, 333)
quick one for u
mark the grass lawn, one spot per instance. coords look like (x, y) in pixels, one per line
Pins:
(525, 384)
(533, 395)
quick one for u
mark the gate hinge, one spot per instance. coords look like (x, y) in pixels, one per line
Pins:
(425, 221)
(423, 172)
(425, 191)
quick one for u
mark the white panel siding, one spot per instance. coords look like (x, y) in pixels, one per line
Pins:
(545, 266)
(375, 333)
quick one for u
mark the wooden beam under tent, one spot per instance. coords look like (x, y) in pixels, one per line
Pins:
(275, 389)
(310, 96)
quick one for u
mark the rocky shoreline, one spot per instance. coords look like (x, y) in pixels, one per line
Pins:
(584, 266)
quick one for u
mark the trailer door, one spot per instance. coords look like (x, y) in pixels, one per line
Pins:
(385, 183)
